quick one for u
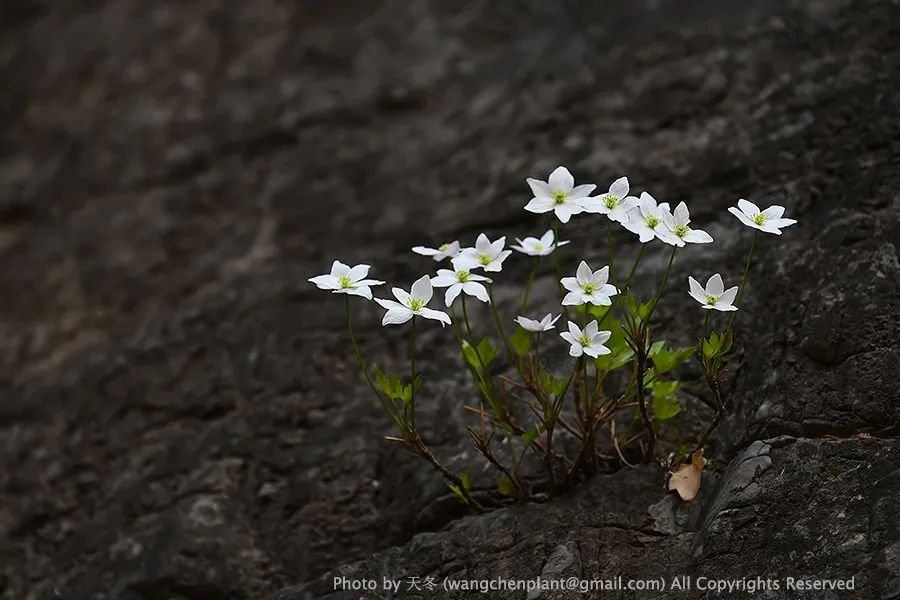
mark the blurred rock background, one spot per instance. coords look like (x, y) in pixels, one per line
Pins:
(180, 417)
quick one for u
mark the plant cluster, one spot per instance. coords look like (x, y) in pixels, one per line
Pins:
(621, 372)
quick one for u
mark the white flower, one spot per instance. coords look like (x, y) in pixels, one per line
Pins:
(538, 247)
(590, 341)
(588, 286)
(559, 194)
(715, 295)
(412, 304)
(677, 232)
(615, 203)
(460, 281)
(769, 220)
(450, 250)
(486, 254)
(545, 324)
(344, 279)
(646, 219)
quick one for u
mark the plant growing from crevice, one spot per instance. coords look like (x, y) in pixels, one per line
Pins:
(607, 407)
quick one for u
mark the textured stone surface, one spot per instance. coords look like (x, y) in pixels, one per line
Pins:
(179, 415)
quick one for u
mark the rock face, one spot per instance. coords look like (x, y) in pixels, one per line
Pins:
(180, 415)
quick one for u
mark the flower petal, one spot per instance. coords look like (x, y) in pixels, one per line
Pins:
(401, 295)
(748, 208)
(564, 212)
(572, 299)
(477, 290)
(681, 214)
(539, 188)
(422, 289)
(744, 218)
(452, 292)
(779, 223)
(390, 304)
(358, 272)
(435, 315)
(600, 276)
(325, 282)
(697, 292)
(584, 274)
(540, 205)
(397, 316)
(697, 236)
(773, 212)
(360, 290)
(715, 286)
(591, 329)
(619, 188)
(561, 180)
(582, 191)
(339, 269)
(728, 296)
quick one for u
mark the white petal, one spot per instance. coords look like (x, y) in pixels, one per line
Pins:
(369, 282)
(572, 299)
(466, 261)
(497, 246)
(697, 291)
(715, 286)
(773, 212)
(496, 265)
(598, 299)
(594, 205)
(325, 282)
(561, 180)
(601, 276)
(339, 269)
(540, 205)
(451, 293)
(483, 244)
(358, 272)
(602, 337)
(435, 315)
(744, 218)
(574, 329)
(728, 296)
(697, 236)
(584, 274)
(477, 290)
(360, 290)
(539, 188)
(628, 203)
(476, 277)
(397, 316)
(422, 290)
(547, 239)
(608, 290)
(401, 295)
(390, 304)
(564, 212)
(528, 324)
(591, 329)
(571, 284)
(779, 223)
(767, 228)
(555, 319)
(725, 308)
(582, 191)
(648, 204)
(619, 188)
(748, 207)
(681, 214)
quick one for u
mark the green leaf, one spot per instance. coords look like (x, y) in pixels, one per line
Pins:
(551, 384)
(639, 310)
(505, 486)
(455, 489)
(521, 342)
(665, 359)
(717, 344)
(481, 358)
(529, 436)
(466, 481)
(665, 402)
(620, 354)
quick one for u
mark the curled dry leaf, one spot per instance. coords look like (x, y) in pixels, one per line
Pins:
(686, 478)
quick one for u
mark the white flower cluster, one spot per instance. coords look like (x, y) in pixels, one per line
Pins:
(644, 216)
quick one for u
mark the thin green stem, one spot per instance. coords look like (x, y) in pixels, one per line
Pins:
(637, 260)
(559, 285)
(362, 365)
(412, 374)
(706, 322)
(665, 281)
(528, 286)
(500, 329)
(611, 252)
(744, 278)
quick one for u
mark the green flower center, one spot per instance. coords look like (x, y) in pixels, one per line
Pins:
(710, 299)
(443, 247)
(610, 201)
(539, 247)
(652, 222)
(584, 340)
(484, 259)
(559, 197)
(681, 230)
(759, 219)
(462, 276)
(589, 288)
(416, 304)
(345, 282)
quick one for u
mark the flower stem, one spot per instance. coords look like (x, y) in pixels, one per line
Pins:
(611, 251)
(362, 365)
(528, 286)
(706, 323)
(559, 285)
(665, 281)
(637, 260)
(412, 375)
(500, 329)
(744, 278)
